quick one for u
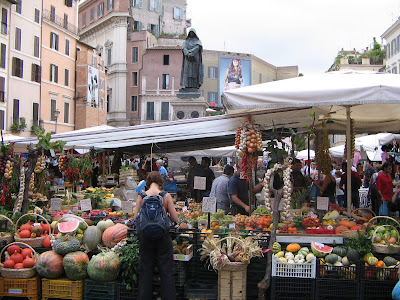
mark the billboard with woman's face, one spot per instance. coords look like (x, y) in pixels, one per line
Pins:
(234, 73)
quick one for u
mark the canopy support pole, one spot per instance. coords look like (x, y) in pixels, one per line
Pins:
(348, 158)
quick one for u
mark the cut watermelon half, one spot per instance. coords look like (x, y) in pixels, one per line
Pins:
(320, 250)
(68, 226)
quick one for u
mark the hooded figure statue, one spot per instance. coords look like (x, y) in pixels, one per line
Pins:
(192, 71)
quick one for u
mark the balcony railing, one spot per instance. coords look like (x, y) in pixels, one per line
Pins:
(59, 21)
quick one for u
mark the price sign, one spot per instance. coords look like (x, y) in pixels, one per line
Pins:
(209, 204)
(199, 183)
(280, 207)
(232, 226)
(86, 204)
(127, 206)
(323, 203)
(55, 204)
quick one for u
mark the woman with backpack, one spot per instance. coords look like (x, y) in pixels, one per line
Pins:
(157, 248)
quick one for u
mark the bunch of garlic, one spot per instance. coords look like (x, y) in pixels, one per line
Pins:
(242, 142)
(268, 186)
(32, 183)
(287, 193)
(20, 198)
(9, 169)
(40, 164)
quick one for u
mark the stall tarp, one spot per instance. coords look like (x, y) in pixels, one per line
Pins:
(303, 154)
(388, 138)
(328, 94)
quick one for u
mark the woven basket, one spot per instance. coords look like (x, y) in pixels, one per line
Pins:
(18, 273)
(395, 222)
(8, 237)
(361, 209)
(33, 242)
(353, 233)
(385, 249)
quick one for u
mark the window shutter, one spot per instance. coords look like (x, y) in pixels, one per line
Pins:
(21, 68)
(3, 56)
(56, 74)
(33, 72)
(182, 11)
(157, 5)
(140, 3)
(39, 68)
(56, 41)
(2, 119)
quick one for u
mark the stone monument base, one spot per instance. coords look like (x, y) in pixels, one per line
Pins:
(187, 93)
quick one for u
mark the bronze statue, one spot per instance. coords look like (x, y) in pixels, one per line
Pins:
(192, 69)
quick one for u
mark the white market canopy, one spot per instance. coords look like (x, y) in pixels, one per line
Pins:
(328, 94)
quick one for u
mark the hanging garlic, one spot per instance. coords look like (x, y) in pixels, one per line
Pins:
(20, 197)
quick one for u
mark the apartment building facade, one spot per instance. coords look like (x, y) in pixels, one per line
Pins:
(392, 38)
(5, 7)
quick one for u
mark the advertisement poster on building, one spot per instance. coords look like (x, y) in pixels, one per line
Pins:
(234, 73)
(93, 87)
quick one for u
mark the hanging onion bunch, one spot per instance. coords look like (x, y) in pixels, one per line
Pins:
(248, 139)
(32, 183)
(62, 162)
(287, 189)
(323, 158)
(40, 164)
(9, 169)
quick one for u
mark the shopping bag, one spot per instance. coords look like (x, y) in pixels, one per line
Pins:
(383, 209)
(314, 192)
(396, 291)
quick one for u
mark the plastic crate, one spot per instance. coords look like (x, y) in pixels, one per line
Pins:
(197, 290)
(281, 269)
(338, 272)
(180, 273)
(29, 288)
(97, 290)
(292, 288)
(124, 294)
(327, 289)
(376, 289)
(380, 274)
(62, 288)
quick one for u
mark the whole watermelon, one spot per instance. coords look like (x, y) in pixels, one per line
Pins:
(66, 244)
(92, 237)
(104, 266)
(75, 265)
(49, 264)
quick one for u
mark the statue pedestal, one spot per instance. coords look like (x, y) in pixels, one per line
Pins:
(188, 93)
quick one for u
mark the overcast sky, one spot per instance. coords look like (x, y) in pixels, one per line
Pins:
(306, 33)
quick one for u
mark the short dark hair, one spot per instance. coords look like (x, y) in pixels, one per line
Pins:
(386, 165)
(344, 165)
(296, 161)
(228, 170)
(206, 159)
(155, 177)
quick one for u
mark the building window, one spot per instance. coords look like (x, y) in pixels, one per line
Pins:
(15, 111)
(153, 28)
(178, 13)
(134, 104)
(35, 115)
(4, 22)
(108, 57)
(65, 21)
(66, 77)
(91, 14)
(84, 20)
(101, 84)
(66, 47)
(194, 114)
(54, 41)
(134, 78)
(100, 9)
(18, 6)
(35, 73)
(53, 108)
(101, 103)
(53, 73)
(109, 100)
(180, 114)
(37, 15)
(150, 111)
(166, 60)
(137, 25)
(260, 78)
(212, 97)
(2, 89)
(165, 81)
(3, 56)
(394, 70)
(36, 46)
(137, 3)
(162, 10)
(110, 4)
(18, 39)
(68, 3)
(393, 48)
(53, 13)
(212, 72)
(135, 54)
(17, 67)
(154, 5)
(66, 112)
(388, 50)
(164, 111)
(2, 119)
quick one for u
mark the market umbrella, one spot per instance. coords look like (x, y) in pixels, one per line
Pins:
(303, 154)
(334, 96)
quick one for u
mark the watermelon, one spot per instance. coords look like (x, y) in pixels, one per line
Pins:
(320, 250)
(49, 264)
(104, 266)
(75, 265)
(68, 226)
(92, 237)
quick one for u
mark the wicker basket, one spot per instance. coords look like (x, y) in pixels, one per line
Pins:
(395, 222)
(361, 209)
(385, 249)
(33, 242)
(353, 233)
(8, 237)
(18, 273)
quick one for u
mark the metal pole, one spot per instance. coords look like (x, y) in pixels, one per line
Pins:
(348, 157)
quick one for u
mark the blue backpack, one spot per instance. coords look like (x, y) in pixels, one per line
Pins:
(152, 221)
